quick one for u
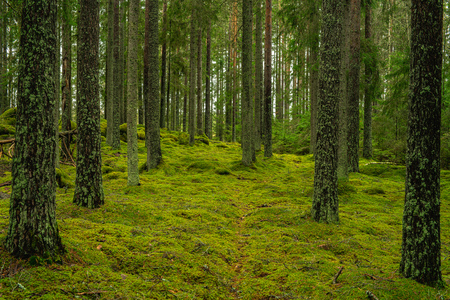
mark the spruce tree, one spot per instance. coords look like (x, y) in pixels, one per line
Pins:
(32, 221)
(88, 183)
(325, 206)
(247, 113)
(421, 242)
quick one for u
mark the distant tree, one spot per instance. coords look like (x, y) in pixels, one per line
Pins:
(152, 119)
(353, 86)
(32, 221)
(163, 66)
(199, 84)
(192, 77)
(208, 125)
(258, 77)
(116, 100)
(110, 74)
(132, 90)
(325, 206)
(88, 183)
(66, 101)
(267, 81)
(247, 113)
(369, 87)
(421, 243)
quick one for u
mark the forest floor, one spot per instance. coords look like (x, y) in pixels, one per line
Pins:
(202, 226)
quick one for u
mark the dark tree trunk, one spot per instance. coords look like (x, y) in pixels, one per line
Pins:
(163, 66)
(325, 206)
(247, 113)
(208, 84)
(342, 167)
(33, 229)
(192, 77)
(88, 183)
(110, 74)
(185, 103)
(116, 101)
(146, 68)
(369, 87)
(152, 129)
(199, 84)
(314, 78)
(167, 105)
(258, 77)
(353, 86)
(267, 81)
(66, 101)
(122, 106)
(421, 244)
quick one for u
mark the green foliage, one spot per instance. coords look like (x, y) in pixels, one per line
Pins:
(445, 151)
(9, 117)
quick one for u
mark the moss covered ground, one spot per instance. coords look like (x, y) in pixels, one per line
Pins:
(202, 226)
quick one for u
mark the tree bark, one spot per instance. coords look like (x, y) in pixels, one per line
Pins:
(199, 84)
(325, 206)
(314, 79)
(33, 228)
(152, 129)
(163, 66)
(421, 243)
(110, 75)
(267, 81)
(116, 102)
(88, 183)
(66, 101)
(369, 87)
(132, 91)
(353, 86)
(247, 113)
(208, 84)
(258, 77)
(192, 77)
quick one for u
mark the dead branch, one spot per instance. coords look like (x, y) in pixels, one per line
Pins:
(371, 296)
(8, 141)
(5, 183)
(339, 272)
(69, 132)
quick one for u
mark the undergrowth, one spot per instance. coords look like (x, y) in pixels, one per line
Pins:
(203, 226)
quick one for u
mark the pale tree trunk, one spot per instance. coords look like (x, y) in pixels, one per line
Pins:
(369, 87)
(132, 90)
(192, 77)
(267, 81)
(258, 77)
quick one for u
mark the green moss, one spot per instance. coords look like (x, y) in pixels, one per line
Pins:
(188, 231)
(7, 130)
(183, 139)
(63, 179)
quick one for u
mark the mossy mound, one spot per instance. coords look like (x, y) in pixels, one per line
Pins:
(103, 127)
(9, 117)
(63, 179)
(7, 130)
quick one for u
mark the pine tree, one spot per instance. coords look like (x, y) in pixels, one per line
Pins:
(88, 183)
(208, 125)
(369, 87)
(32, 222)
(66, 101)
(258, 77)
(110, 74)
(421, 243)
(192, 77)
(325, 207)
(116, 99)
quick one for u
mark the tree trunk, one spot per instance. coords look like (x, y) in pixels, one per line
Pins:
(353, 86)
(167, 105)
(163, 66)
(66, 101)
(421, 244)
(247, 113)
(325, 206)
(268, 81)
(258, 76)
(208, 84)
(122, 106)
(342, 166)
(185, 104)
(116, 102)
(152, 129)
(314, 79)
(33, 228)
(199, 84)
(88, 183)
(132, 91)
(369, 87)
(192, 79)
(57, 74)
(110, 74)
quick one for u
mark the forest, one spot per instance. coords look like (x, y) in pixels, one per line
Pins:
(224, 149)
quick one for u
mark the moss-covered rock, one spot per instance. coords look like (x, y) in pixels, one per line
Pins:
(63, 179)
(103, 127)
(183, 139)
(8, 130)
(9, 117)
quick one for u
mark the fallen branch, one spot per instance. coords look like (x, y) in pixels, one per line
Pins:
(371, 296)
(8, 141)
(91, 293)
(5, 183)
(373, 277)
(339, 272)
(64, 133)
